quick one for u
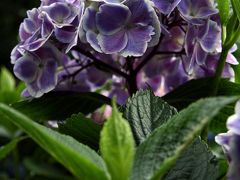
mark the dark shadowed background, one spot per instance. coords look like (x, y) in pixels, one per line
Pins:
(12, 13)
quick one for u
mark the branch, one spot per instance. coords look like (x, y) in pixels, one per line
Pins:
(98, 62)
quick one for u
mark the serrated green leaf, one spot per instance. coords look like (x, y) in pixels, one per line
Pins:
(159, 152)
(224, 10)
(82, 129)
(61, 105)
(79, 159)
(6, 149)
(196, 163)
(7, 81)
(145, 112)
(117, 146)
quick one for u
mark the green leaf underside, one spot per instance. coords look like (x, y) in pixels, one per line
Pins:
(117, 146)
(145, 112)
(79, 159)
(196, 163)
(6, 149)
(7, 81)
(61, 105)
(82, 129)
(159, 152)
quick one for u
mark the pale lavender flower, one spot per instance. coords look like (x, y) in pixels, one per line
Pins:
(231, 143)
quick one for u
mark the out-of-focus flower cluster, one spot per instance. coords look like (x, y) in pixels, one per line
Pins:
(231, 143)
(118, 45)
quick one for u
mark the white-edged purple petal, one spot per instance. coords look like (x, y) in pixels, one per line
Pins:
(113, 43)
(138, 39)
(166, 6)
(210, 40)
(93, 41)
(223, 139)
(26, 69)
(111, 18)
(233, 124)
(48, 79)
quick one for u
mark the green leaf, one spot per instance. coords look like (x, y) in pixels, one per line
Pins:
(61, 105)
(196, 163)
(224, 10)
(236, 7)
(145, 112)
(79, 159)
(196, 89)
(6, 149)
(159, 152)
(218, 123)
(117, 146)
(7, 81)
(82, 129)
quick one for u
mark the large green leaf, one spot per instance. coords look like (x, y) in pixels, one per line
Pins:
(193, 90)
(196, 163)
(196, 89)
(83, 162)
(236, 7)
(82, 129)
(145, 112)
(117, 146)
(159, 152)
(61, 105)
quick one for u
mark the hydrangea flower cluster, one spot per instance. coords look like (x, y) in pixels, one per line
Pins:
(231, 143)
(123, 45)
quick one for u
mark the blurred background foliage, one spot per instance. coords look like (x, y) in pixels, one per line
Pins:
(12, 12)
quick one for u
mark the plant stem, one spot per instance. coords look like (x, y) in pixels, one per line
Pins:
(100, 63)
(16, 163)
(219, 70)
(132, 77)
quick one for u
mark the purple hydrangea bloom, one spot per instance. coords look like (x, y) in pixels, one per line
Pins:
(35, 30)
(166, 6)
(127, 29)
(66, 17)
(231, 143)
(55, 19)
(196, 12)
(38, 69)
(201, 41)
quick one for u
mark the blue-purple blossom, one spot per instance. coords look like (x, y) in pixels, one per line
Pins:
(55, 19)
(66, 17)
(127, 29)
(166, 6)
(176, 40)
(200, 41)
(38, 69)
(196, 12)
(35, 30)
(231, 143)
